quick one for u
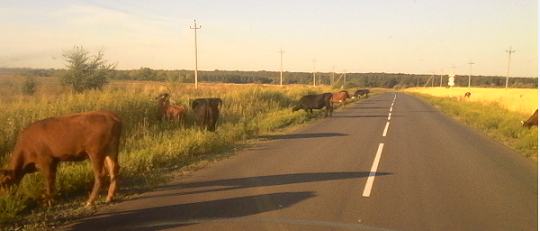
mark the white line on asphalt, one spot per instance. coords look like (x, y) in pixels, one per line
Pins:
(373, 171)
(389, 115)
(386, 128)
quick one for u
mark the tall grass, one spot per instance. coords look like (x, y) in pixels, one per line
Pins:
(148, 145)
(493, 119)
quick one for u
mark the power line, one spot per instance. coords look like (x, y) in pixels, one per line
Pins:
(195, 28)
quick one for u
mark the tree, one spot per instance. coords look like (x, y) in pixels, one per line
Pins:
(85, 72)
(29, 86)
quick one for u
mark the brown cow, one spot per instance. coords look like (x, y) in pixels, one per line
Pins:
(76, 137)
(467, 95)
(168, 111)
(359, 93)
(341, 97)
(207, 112)
(310, 102)
(532, 121)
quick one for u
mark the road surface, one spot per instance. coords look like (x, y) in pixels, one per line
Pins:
(388, 163)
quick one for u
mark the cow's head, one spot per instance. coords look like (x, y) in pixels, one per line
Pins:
(163, 99)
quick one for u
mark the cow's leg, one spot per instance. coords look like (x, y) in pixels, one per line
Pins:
(48, 169)
(97, 168)
(111, 163)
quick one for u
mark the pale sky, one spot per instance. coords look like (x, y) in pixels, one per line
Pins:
(392, 36)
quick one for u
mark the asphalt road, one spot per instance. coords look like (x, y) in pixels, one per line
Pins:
(388, 163)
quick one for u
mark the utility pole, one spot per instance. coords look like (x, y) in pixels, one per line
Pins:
(314, 79)
(333, 74)
(508, 70)
(470, 70)
(281, 72)
(195, 28)
(344, 79)
(441, 77)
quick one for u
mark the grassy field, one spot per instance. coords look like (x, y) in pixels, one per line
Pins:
(496, 112)
(151, 151)
(521, 100)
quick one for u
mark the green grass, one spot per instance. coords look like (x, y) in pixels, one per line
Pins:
(492, 119)
(148, 146)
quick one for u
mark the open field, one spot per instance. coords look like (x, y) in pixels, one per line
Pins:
(149, 148)
(522, 100)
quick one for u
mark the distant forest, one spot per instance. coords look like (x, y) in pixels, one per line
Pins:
(348, 80)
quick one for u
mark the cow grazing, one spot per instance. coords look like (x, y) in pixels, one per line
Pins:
(207, 112)
(168, 111)
(310, 102)
(467, 95)
(361, 92)
(532, 121)
(341, 97)
(76, 137)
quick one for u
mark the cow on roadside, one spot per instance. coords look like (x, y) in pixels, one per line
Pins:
(532, 121)
(467, 95)
(361, 92)
(42, 145)
(206, 112)
(167, 111)
(310, 102)
(341, 97)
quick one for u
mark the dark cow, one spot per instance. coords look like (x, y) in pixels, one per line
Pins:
(310, 102)
(76, 137)
(361, 92)
(532, 121)
(467, 95)
(341, 97)
(207, 112)
(168, 111)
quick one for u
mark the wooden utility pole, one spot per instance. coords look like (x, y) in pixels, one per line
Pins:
(314, 78)
(195, 28)
(281, 70)
(508, 70)
(470, 71)
(333, 74)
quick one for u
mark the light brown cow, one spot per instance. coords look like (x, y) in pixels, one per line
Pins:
(43, 144)
(340, 97)
(168, 111)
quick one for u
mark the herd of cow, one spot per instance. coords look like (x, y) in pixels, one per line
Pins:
(96, 136)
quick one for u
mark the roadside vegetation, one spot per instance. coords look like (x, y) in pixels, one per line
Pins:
(151, 151)
(494, 118)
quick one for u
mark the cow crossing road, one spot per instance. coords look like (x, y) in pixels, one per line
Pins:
(391, 162)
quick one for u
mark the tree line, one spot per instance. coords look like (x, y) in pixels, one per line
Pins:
(85, 72)
(367, 80)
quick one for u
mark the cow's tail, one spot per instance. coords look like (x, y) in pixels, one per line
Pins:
(207, 114)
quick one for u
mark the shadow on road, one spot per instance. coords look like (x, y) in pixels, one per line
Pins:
(174, 216)
(179, 215)
(263, 181)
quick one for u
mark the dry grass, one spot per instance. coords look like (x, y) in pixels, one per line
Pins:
(522, 100)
